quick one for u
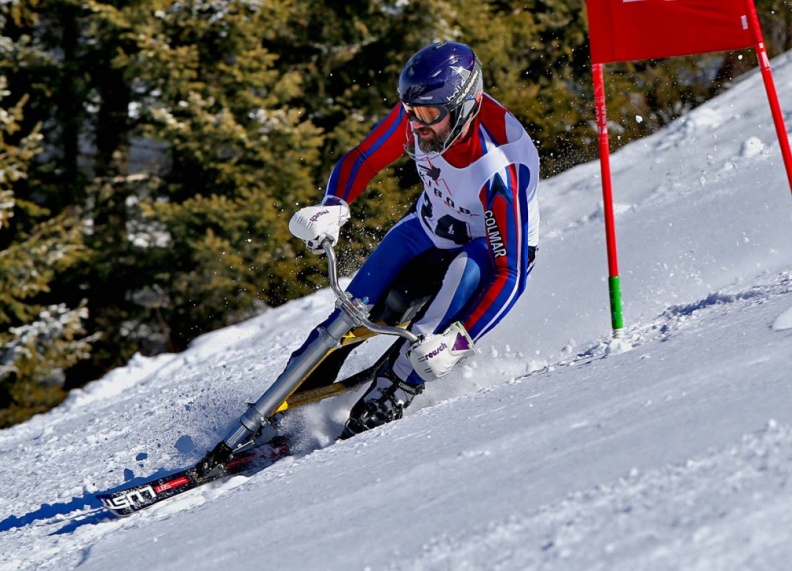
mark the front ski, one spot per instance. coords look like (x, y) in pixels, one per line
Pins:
(132, 499)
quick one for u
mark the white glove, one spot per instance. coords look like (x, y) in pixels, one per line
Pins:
(315, 224)
(435, 355)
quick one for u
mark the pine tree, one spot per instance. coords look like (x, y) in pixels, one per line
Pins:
(40, 342)
(239, 157)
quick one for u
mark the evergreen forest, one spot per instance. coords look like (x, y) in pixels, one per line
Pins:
(152, 152)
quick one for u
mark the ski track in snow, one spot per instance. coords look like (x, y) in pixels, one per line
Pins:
(678, 316)
(677, 504)
(554, 447)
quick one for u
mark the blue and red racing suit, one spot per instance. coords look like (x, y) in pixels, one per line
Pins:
(478, 204)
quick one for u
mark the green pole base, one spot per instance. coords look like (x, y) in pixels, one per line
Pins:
(617, 319)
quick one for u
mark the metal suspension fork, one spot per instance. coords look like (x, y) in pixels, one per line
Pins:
(289, 380)
(353, 314)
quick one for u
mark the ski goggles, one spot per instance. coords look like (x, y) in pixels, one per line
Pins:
(425, 114)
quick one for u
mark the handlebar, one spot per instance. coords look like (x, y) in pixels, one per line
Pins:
(356, 308)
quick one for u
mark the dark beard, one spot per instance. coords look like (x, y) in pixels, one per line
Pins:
(434, 144)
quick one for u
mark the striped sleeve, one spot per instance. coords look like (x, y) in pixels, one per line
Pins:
(383, 145)
(505, 197)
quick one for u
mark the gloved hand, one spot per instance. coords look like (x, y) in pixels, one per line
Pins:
(315, 224)
(435, 355)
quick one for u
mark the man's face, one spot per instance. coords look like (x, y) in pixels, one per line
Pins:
(432, 138)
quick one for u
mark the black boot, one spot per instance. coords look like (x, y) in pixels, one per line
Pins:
(383, 402)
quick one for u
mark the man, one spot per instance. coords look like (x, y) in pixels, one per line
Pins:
(478, 209)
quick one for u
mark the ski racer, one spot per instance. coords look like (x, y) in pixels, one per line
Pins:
(477, 215)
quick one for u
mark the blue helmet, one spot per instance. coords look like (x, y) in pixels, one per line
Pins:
(446, 74)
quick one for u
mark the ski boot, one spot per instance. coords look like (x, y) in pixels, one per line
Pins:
(383, 402)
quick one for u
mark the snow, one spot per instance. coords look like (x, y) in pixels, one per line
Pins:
(553, 448)
(784, 321)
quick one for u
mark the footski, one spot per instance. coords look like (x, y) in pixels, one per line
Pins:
(126, 501)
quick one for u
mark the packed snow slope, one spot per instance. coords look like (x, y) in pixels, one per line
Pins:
(550, 449)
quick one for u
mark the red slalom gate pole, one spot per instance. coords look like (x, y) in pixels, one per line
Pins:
(614, 286)
(772, 94)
